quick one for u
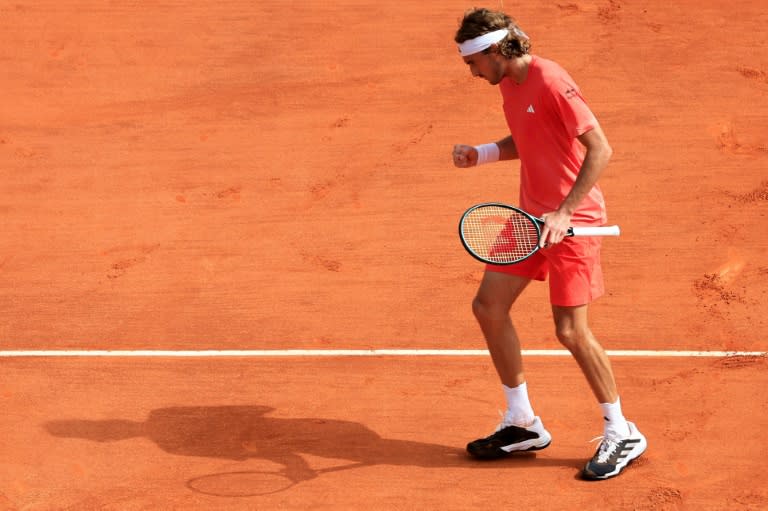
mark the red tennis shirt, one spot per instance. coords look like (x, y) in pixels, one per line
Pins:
(545, 114)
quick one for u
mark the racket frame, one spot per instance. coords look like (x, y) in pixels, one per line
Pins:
(611, 230)
(537, 222)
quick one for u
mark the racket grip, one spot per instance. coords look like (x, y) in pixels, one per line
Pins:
(607, 230)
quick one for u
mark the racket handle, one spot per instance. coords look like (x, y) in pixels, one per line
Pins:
(608, 230)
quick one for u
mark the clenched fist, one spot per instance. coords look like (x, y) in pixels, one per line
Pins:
(464, 156)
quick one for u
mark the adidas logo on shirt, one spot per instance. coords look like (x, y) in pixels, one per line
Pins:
(530, 109)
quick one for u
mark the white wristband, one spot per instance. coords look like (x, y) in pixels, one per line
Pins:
(487, 153)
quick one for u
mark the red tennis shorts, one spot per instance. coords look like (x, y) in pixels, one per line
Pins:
(573, 267)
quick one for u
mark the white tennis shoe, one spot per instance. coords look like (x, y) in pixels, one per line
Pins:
(615, 453)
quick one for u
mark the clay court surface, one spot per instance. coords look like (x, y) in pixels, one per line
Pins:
(277, 176)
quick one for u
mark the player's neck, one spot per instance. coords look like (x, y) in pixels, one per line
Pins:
(517, 68)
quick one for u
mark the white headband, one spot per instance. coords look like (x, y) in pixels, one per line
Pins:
(483, 42)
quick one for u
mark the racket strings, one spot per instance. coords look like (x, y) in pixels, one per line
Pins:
(500, 235)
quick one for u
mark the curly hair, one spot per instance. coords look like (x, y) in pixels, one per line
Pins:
(479, 21)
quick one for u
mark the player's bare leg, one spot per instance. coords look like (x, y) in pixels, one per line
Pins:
(573, 332)
(622, 441)
(497, 293)
(520, 429)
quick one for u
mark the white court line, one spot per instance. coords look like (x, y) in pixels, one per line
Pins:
(357, 353)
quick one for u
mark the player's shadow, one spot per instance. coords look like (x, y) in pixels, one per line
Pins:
(247, 432)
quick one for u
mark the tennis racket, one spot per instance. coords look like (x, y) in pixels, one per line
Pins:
(500, 234)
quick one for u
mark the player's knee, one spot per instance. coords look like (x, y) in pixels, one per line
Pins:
(572, 338)
(485, 309)
(479, 308)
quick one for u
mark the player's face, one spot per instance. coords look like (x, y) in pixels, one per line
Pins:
(485, 65)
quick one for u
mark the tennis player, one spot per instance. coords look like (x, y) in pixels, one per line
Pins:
(562, 152)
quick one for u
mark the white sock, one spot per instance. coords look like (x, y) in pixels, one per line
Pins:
(614, 419)
(519, 411)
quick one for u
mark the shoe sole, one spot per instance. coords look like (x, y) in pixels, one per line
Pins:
(531, 448)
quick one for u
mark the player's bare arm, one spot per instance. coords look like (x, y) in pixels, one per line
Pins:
(596, 159)
(467, 156)
(507, 149)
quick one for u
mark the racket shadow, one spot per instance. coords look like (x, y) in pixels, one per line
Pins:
(241, 433)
